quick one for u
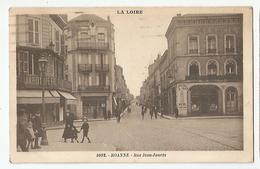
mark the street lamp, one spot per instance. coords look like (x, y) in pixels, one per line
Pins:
(42, 65)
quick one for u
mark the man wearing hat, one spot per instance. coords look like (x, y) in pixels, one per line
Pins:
(37, 128)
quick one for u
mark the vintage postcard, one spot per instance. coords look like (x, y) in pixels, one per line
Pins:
(131, 84)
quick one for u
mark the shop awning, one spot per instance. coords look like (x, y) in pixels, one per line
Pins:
(35, 97)
(69, 98)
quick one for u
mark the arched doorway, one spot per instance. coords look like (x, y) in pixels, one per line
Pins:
(205, 100)
(231, 100)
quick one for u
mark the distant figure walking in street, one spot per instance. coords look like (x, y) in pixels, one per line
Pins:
(151, 110)
(85, 128)
(143, 112)
(22, 133)
(176, 113)
(67, 133)
(155, 112)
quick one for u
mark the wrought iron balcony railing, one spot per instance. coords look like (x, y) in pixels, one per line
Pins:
(85, 68)
(84, 44)
(193, 51)
(100, 88)
(230, 50)
(212, 51)
(228, 77)
(102, 68)
(35, 82)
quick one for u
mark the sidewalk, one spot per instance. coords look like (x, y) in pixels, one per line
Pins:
(78, 123)
(202, 117)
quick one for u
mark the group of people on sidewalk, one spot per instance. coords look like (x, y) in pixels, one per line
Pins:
(153, 111)
(29, 130)
(71, 132)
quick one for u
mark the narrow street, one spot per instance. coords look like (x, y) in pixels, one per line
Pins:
(136, 134)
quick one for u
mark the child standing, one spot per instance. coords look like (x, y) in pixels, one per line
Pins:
(85, 128)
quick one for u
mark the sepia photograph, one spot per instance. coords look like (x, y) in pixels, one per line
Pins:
(131, 84)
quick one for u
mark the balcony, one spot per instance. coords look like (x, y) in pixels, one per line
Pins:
(85, 68)
(94, 88)
(229, 77)
(50, 83)
(102, 68)
(212, 51)
(83, 44)
(193, 51)
(230, 50)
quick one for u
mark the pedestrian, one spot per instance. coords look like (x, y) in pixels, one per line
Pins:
(155, 112)
(37, 128)
(176, 113)
(74, 133)
(69, 119)
(151, 112)
(143, 112)
(85, 128)
(31, 138)
(109, 114)
(22, 133)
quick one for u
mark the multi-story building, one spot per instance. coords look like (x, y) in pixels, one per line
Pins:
(91, 58)
(37, 36)
(121, 90)
(164, 81)
(206, 54)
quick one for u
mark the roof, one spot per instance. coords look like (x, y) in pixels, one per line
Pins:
(85, 17)
(199, 16)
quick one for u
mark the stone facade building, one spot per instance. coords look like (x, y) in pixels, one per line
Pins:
(206, 54)
(201, 72)
(37, 36)
(91, 58)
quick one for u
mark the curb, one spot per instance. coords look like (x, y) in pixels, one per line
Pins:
(200, 117)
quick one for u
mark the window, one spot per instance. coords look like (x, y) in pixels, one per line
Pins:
(33, 31)
(23, 63)
(57, 41)
(84, 79)
(193, 45)
(62, 42)
(102, 79)
(230, 67)
(231, 94)
(84, 36)
(101, 37)
(194, 69)
(211, 44)
(212, 67)
(230, 43)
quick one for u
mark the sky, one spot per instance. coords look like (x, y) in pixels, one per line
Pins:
(138, 40)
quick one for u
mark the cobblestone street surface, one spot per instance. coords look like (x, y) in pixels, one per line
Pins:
(135, 134)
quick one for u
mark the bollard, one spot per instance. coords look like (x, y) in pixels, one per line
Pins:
(44, 140)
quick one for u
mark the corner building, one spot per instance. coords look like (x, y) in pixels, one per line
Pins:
(206, 55)
(91, 59)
